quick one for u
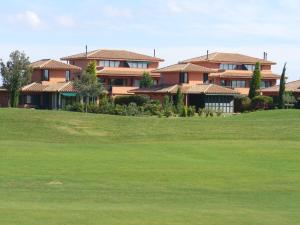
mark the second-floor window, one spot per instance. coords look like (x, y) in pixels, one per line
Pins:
(109, 63)
(238, 83)
(183, 78)
(265, 83)
(205, 78)
(68, 75)
(45, 75)
(228, 66)
(140, 65)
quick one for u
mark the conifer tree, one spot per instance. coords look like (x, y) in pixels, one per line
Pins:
(281, 97)
(255, 82)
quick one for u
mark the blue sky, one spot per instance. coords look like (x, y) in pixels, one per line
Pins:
(177, 29)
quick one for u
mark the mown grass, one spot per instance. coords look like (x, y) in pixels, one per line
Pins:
(70, 168)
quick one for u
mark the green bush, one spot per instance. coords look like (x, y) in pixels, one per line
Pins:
(76, 107)
(219, 113)
(92, 108)
(262, 102)
(139, 100)
(242, 104)
(133, 109)
(201, 112)
(191, 111)
(152, 108)
(108, 108)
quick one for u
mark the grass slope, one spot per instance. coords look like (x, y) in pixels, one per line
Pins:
(69, 168)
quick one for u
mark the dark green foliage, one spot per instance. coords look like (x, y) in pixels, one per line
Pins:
(167, 106)
(153, 108)
(88, 86)
(242, 104)
(146, 81)
(201, 112)
(76, 107)
(92, 69)
(15, 74)
(289, 100)
(191, 111)
(262, 102)
(137, 99)
(179, 102)
(255, 82)
(281, 103)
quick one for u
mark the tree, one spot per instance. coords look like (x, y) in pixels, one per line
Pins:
(167, 106)
(281, 98)
(15, 74)
(146, 81)
(255, 82)
(92, 69)
(179, 102)
(88, 86)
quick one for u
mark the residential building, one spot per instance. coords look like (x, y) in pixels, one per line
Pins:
(292, 87)
(51, 87)
(190, 78)
(235, 70)
(4, 97)
(119, 70)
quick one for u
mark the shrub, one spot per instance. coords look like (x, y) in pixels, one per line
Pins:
(76, 107)
(108, 108)
(152, 108)
(242, 104)
(133, 109)
(262, 102)
(191, 111)
(167, 106)
(201, 112)
(92, 108)
(219, 112)
(139, 100)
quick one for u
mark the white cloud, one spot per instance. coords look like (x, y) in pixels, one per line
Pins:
(66, 21)
(30, 19)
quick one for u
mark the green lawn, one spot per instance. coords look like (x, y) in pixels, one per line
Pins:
(60, 168)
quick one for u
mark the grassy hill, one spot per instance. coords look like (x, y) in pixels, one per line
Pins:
(70, 168)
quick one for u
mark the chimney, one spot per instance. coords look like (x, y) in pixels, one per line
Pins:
(207, 52)
(266, 56)
(154, 53)
(86, 51)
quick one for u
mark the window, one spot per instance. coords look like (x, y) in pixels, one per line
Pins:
(265, 84)
(109, 63)
(228, 66)
(45, 75)
(68, 75)
(118, 82)
(238, 83)
(155, 82)
(28, 99)
(183, 78)
(250, 67)
(205, 78)
(136, 83)
(140, 65)
(223, 83)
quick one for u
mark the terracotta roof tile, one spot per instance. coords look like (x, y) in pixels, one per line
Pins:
(185, 67)
(293, 86)
(228, 58)
(53, 64)
(126, 71)
(113, 54)
(243, 74)
(188, 89)
(49, 87)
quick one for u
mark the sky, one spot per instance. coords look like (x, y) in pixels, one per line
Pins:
(177, 29)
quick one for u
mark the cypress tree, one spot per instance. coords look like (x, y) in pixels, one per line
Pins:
(282, 89)
(255, 82)
(179, 104)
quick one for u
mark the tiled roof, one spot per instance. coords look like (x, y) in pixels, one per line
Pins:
(53, 64)
(113, 54)
(188, 89)
(243, 74)
(293, 86)
(49, 87)
(126, 71)
(185, 67)
(228, 58)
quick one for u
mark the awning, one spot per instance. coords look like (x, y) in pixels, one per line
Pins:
(69, 94)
